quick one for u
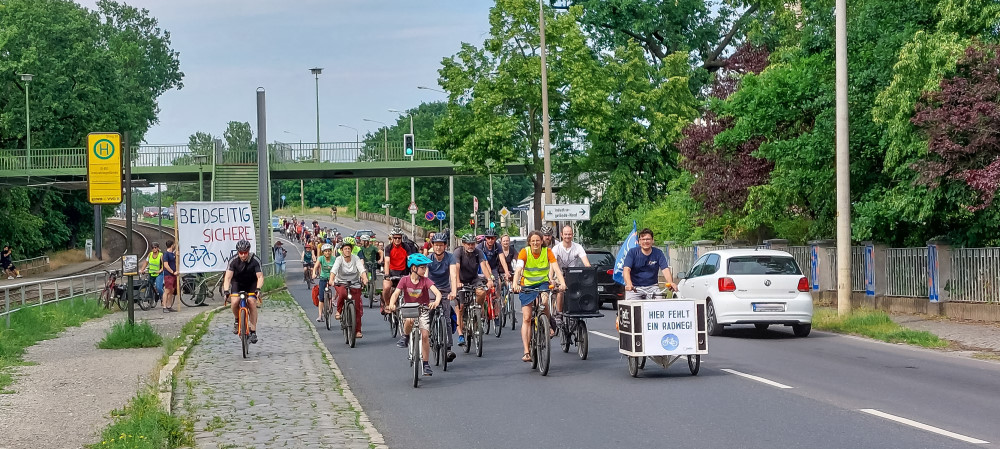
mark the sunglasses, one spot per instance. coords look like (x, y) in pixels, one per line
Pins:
(397, 238)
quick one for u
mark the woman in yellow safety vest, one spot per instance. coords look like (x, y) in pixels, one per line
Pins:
(534, 264)
(154, 263)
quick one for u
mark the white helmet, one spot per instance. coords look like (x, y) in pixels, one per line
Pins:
(326, 246)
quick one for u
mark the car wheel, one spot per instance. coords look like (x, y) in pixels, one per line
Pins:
(714, 328)
(802, 330)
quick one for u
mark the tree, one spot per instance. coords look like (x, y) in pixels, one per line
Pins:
(241, 147)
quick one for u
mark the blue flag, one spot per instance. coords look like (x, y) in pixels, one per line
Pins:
(630, 242)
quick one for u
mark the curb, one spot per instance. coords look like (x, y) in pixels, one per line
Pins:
(375, 437)
(165, 383)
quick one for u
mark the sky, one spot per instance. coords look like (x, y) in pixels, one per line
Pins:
(374, 54)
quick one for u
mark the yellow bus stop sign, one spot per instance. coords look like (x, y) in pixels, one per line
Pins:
(104, 168)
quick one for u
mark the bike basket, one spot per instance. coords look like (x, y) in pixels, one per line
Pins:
(411, 310)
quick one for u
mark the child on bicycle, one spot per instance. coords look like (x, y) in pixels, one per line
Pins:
(417, 288)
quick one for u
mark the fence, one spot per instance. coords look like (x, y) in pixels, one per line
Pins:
(283, 153)
(31, 266)
(906, 272)
(975, 275)
(37, 293)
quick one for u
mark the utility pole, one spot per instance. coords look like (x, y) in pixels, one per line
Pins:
(129, 282)
(317, 71)
(843, 168)
(302, 196)
(545, 107)
(413, 197)
(263, 183)
(451, 212)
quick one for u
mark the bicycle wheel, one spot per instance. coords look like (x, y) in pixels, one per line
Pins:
(352, 336)
(564, 339)
(147, 296)
(633, 366)
(544, 349)
(533, 344)
(105, 299)
(189, 292)
(582, 339)
(328, 307)
(415, 355)
(394, 324)
(443, 339)
(694, 364)
(478, 319)
(498, 326)
(245, 332)
(122, 300)
(467, 327)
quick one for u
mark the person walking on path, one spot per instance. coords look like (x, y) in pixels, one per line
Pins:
(7, 263)
(169, 277)
(280, 253)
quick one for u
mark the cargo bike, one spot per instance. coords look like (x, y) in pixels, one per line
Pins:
(662, 329)
(581, 301)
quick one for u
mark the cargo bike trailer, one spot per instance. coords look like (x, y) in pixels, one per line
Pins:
(662, 330)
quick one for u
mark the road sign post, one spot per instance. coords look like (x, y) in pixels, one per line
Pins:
(567, 212)
(441, 216)
(104, 168)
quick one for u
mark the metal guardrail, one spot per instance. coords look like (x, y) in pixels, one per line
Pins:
(906, 272)
(286, 153)
(38, 293)
(975, 275)
(32, 265)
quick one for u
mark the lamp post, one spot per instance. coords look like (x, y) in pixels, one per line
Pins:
(26, 77)
(357, 181)
(546, 145)
(385, 156)
(317, 71)
(413, 198)
(200, 159)
(432, 89)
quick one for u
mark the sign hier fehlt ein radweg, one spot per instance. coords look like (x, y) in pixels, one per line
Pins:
(207, 233)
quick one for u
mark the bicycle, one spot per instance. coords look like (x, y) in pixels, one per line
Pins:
(370, 288)
(347, 316)
(540, 328)
(199, 253)
(472, 320)
(439, 337)
(413, 310)
(573, 331)
(493, 313)
(328, 305)
(507, 308)
(112, 293)
(195, 290)
(307, 276)
(148, 295)
(243, 329)
(393, 317)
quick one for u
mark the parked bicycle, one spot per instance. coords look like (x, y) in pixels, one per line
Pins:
(198, 288)
(147, 296)
(112, 293)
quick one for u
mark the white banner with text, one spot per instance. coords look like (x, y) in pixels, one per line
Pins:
(208, 232)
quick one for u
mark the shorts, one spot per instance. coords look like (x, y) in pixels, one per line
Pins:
(9, 267)
(638, 291)
(169, 282)
(527, 298)
(394, 273)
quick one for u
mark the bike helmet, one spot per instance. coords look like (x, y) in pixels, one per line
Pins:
(243, 245)
(490, 233)
(349, 240)
(327, 246)
(440, 237)
(417, 259)
(546, 230)
(396, 231)
(468, 238)
(364, 237)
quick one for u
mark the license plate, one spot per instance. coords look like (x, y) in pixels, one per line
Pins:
(765, 307)
(600, 288)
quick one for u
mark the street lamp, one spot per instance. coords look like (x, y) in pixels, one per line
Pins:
(317, 71)
(433, 89)
(26, 77)
(413, 198)
(200, 159)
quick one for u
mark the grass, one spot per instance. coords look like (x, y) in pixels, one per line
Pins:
(987, 356)
(122, 335)
(33, 324)
(874, 324)
(294, 209)
(273, 283)
(189, 328)
(68, 257)
(167, 223)
(143, 423)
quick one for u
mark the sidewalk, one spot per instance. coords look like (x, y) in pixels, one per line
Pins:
(286, 394)
(968, 335)
(65, 398)
(65, 270)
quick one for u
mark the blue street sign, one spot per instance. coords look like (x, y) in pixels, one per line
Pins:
(282, 197)
(441, 215)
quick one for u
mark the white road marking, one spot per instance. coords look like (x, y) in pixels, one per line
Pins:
(757, 378)
(601, 334)
(922, 426)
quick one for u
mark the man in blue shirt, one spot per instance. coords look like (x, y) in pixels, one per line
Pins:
(443, 272)
(642, 265)
(169, 277)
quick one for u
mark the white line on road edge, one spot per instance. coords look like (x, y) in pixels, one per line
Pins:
(758, 379)
(923, 426)
(601, 334)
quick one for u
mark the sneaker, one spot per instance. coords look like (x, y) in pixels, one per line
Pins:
(403, 342)
(559, 320)
(253, 337)
(10, 277)
(19, 276)
(427, 369)
(236, 327)
(461, 340)
(451, 356)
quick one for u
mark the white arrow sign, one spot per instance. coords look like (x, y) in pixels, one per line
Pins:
(567, 212)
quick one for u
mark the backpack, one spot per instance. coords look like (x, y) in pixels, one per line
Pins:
(409, 246)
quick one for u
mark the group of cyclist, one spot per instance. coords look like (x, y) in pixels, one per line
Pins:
(436, 278)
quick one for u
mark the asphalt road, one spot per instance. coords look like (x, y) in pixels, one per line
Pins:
(824, 391)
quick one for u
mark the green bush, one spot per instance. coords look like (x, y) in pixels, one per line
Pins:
(272, 283)
(122, 335)
(33, 324)
(143, 423)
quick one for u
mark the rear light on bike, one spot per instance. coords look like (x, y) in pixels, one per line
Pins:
(803, 284)
(610, 272)
(727, 285)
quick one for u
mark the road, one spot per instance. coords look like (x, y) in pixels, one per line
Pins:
(824, 391)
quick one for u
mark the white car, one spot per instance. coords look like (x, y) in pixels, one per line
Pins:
(747, 286)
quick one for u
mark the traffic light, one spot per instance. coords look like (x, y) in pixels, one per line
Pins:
(408, 145)
(472, 222)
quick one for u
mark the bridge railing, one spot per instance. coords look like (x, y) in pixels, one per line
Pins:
(285, 153)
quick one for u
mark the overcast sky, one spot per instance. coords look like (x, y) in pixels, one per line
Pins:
(374, 54)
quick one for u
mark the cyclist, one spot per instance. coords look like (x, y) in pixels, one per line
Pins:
(244, 270)
(546, 231)
(417, 288)
(322, 269)
(7, 264)
(394, 262)
(348, 269)
(471, 262)
(154, 266)
(569, 254)
(443, 271)
(534, 264)
(642, 265)
(491, 249)
(308, 259)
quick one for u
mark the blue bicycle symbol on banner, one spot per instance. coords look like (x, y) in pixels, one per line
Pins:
(200, 253)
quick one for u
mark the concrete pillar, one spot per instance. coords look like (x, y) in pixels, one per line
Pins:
(777, 244)
(824, 252)
(939, 273)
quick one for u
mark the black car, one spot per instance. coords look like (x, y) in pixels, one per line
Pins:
(607, 289)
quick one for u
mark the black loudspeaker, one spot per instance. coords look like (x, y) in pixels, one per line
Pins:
(581, 291)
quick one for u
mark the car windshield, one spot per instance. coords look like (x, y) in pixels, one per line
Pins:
(762, 265)
(600, 258)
